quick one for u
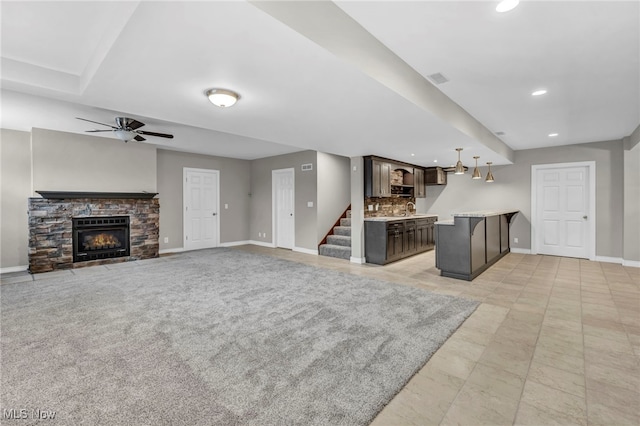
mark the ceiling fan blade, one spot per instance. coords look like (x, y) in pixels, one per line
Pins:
(139, 138)
(96, 122)
(128, 123)
(106, 130)
(160, 135)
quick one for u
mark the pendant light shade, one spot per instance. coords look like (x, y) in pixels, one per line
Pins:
(459, 166)
(476, 171)
(489, 174)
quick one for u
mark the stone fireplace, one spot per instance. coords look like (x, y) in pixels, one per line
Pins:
(73, 229)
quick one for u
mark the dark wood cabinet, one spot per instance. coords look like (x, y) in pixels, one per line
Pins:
(425, 229)
(377, 178)
(435, 176)
(395, 241)
(420, 190)
(390, 240)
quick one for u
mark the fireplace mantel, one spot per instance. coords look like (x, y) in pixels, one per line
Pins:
(65, 195)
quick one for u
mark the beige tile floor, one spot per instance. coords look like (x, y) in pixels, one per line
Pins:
(555, 341)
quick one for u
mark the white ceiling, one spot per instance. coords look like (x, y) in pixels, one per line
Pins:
(348, 78)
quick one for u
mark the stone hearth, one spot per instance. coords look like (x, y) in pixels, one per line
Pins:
(51, 233)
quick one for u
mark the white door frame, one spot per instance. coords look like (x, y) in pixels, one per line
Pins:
(591, 181)
(185, 170)
(274, 212)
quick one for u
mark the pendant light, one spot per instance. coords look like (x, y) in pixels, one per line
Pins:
(489, 174)
(459, 166)
(476, 171)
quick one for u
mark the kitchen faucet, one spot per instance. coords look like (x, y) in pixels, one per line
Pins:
(407, 212)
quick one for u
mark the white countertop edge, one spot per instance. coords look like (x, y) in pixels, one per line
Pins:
(444, 222)
(392, 218)
(484, 213)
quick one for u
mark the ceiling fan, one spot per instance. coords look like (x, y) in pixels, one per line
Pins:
(127, 129)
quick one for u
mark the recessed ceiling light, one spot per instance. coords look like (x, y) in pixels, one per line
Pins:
(435, 161)
(222, 97)
(553, 135)
(413, 155)
(507, 5)
(539, 92)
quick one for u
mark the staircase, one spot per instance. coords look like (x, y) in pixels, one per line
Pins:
(339, 240)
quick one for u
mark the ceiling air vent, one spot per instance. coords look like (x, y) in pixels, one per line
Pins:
(438, 78)
(499, 133)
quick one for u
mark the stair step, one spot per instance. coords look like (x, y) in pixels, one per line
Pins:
(339, 240)
(342, 230)
(339, 252)
(345, 222)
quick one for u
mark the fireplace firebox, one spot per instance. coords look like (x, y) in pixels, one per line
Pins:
(100, 237)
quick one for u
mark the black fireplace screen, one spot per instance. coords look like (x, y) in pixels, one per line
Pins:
(100, 238)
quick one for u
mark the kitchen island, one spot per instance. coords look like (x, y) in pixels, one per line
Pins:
(471, 242)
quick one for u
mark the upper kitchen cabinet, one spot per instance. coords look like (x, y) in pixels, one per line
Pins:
(420, 191)
(377, 177)
(435, 176)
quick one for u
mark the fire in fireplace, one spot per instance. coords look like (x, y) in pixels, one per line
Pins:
(100, 237)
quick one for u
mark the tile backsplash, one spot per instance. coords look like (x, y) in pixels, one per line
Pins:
(387, 206)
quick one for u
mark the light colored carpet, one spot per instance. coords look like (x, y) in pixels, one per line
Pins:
(216, 337)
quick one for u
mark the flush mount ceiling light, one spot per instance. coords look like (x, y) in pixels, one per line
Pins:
(222, 97)
(539, 92)
(476, 171)
(507, 5)
(489, 174)
(553, 135)
(459, 167)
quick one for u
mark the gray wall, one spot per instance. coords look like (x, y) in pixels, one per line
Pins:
(334, 190)
(15, 182)
(305, 190)
(74, 162)
(632, 204)
(234, 191)
(512, 189)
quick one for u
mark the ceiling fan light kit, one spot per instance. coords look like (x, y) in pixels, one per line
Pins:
(222, 97)
(126, 129)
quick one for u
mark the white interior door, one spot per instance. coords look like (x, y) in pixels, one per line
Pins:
(201, 207)
(563, 211)
(283, 208)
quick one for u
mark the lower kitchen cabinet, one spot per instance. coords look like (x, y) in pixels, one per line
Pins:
(394, 239)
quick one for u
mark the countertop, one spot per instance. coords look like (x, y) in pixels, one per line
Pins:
(484, 213)
(479, 213)
(392, 218)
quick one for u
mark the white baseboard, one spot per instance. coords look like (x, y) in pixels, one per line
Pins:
(520, 251)
(607, 259)
(261, 243)
(171, 250)
(632, 263)
(358, 260)
(9, 269)
(235, 243)
(305, 250)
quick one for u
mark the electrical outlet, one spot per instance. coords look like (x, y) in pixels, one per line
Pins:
(259, 234)
(166, 240)
(515, 239)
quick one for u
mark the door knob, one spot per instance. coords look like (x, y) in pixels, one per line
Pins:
(215, 213)
(584, 217)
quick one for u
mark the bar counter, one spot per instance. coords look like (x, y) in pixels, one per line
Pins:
(467, 245)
